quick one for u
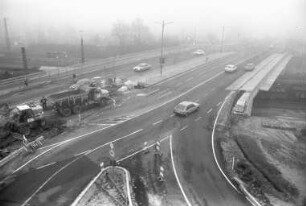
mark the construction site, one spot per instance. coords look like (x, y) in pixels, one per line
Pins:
(135, 113)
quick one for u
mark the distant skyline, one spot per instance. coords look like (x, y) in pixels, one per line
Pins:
(257, 18)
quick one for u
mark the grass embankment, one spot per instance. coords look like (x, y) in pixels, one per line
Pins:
(270, 173)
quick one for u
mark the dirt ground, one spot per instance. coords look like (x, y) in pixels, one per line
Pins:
(277, 150)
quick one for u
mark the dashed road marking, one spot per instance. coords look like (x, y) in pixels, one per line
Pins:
(189, 79)
(185, 127)
(103, 145)
(43, 166)
(179, 84)
(87, 151)
(197, 119)
(166, 94)
(155, 123)
(197, 100)
(209, 111)
(143, 149)
(53, 146)
(172, 115)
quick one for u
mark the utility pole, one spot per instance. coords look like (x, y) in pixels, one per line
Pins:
(7, 38)
(195, 35)
(82, 49)
(222, 39)
(162, 59)
(24, 58)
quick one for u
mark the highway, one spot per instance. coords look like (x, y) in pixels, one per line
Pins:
(59, 175)
(16, 92)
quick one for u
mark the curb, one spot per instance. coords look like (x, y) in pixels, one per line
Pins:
(241, 188)
(128, 180)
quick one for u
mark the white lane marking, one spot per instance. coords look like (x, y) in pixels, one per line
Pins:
(209, 111)
(185, 127)
(158, 106)
(49, 179)
(82, 153)
(197, 100)
(197, 119)
(97, 124)
(189, 79)
(143, 149)
(79, 197)
(172, 115)
(179, 84)
(166, 94)
(213, 146)
(175, 173)
(103, 145)
(74, 138)
(56, 145)
(45, 165)
(154, 91)
(219, 103)
(155, 123)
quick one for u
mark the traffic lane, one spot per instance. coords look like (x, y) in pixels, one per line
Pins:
(158, 115)
(96, 67)
(63, 188)
(195, 162)
(24, 184)
(116, 131)
(110, 134)
(197, 168)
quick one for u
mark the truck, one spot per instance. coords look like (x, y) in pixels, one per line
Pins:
(70, 102)
(21, 119)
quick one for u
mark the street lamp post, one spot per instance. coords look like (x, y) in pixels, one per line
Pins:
(162, 59)
(222, 40)
(82, 49)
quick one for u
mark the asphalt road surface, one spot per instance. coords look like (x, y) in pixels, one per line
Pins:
(59, 175)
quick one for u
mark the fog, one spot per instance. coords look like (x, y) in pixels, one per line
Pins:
(61, 20)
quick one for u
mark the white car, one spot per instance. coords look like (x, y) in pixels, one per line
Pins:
(199, 52)
(185, 108)
(142, 67)
(249, 67)
(230, 68)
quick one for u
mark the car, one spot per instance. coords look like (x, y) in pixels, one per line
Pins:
(249, 67)
(185, 108)
(142, 67)
(199, 52)
(230, 68)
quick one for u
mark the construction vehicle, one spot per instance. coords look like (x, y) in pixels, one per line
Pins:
(21, 119)
(71, 102)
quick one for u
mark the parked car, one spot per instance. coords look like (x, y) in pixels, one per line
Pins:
(185, 108)
(142, 67)
(199, 52)
(249, 67)
(230, 68)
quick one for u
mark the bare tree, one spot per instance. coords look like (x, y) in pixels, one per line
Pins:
(122, 31)
(141, 33)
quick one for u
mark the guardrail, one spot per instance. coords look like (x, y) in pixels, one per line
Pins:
(93, 63)
(12, 161)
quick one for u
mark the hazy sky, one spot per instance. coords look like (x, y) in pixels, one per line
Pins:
(271, 17)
